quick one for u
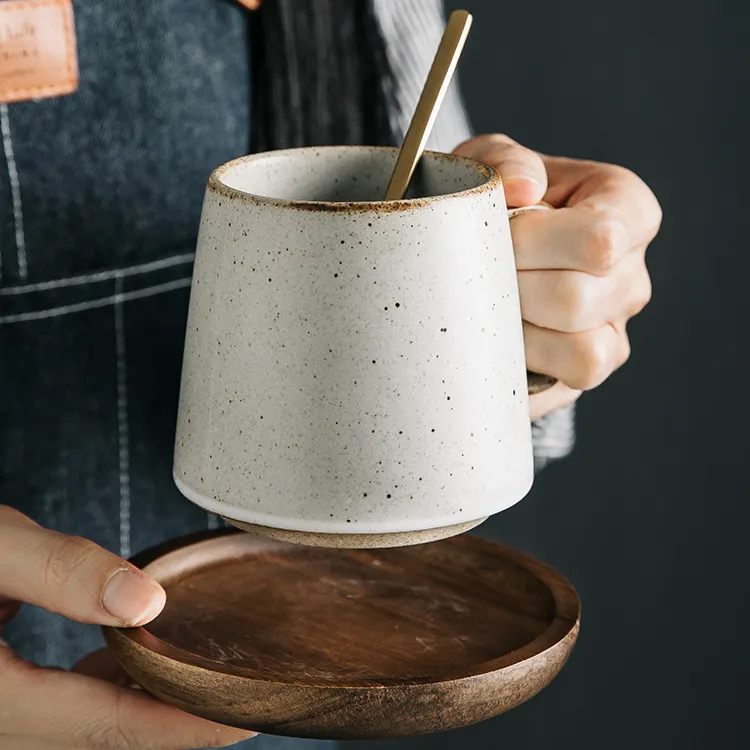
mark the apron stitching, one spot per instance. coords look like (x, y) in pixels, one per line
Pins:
(15, 189)
(53, 312)
(154, 265)
(122, 419)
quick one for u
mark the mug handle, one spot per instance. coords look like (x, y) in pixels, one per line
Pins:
(537, 381)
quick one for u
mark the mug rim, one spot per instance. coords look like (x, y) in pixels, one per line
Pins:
(215, 184)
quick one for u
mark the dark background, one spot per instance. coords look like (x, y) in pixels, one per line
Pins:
(649, 517)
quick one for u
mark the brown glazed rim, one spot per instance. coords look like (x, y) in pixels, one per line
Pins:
(215, 183)
(537, 383)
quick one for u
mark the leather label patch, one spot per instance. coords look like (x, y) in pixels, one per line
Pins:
(38, 55)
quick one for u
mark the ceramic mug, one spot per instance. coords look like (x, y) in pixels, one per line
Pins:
(354, 370)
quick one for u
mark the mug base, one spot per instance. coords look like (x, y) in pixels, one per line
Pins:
(357, 541)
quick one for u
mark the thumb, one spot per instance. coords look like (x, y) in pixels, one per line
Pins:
(72, 576)
(522, 170)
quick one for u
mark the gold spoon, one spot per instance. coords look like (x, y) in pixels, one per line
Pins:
(438, 80)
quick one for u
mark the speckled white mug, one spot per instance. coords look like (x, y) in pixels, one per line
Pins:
(354, 369)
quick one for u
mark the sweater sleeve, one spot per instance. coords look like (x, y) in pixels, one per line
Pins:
(412, 32)
(553, 436)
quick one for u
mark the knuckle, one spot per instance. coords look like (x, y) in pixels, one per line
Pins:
(640, 294)
(654, 214)
(652, 210)
(105, 731)
(645, 293)
(502, 150)
(500, 139)
(657, 217)
(624, 350)
(105, 736)
(593, 362)
(605, 241)
(67, 556)
(616, 172)
(118, 729)
(484, 144)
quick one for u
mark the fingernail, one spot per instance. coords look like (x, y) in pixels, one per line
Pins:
(521, 190)
(132, 599)
(525, 178)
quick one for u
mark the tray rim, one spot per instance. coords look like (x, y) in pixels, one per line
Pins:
(563, 626)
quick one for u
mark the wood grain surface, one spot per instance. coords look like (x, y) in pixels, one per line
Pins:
(331, 643)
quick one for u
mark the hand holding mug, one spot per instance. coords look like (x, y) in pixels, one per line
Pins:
(581, 269)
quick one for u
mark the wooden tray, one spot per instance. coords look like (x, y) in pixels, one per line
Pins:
(349, 644)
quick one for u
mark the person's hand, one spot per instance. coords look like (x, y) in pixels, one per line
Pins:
(581, 269)
(51, 709)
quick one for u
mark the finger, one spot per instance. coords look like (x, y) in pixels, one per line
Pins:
(580, 360)
(557, 397)
(574, 239)
(85, 712)
(102, 665)
(607, 187)
(522, 170)
(572, 301)
(24, 742)
(72, 576)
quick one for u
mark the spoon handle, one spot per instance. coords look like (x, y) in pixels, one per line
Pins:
(438, 80)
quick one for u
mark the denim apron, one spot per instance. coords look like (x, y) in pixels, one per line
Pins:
(100, 197)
